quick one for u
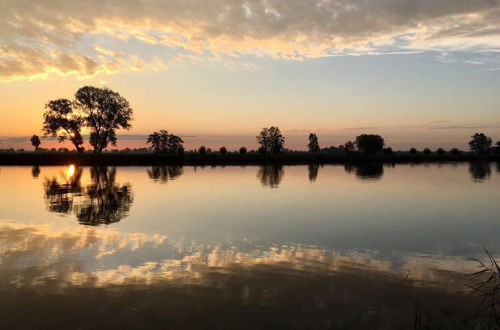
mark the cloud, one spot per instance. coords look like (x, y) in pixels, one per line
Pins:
(38, 38)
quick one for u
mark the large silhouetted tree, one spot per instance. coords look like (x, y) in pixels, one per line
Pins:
(313, 144)
(61, 120)
(349, 147)
(271, 140)
(162, 141)
(105, 112)
(480, 142)
(35, 141)
(370, 143)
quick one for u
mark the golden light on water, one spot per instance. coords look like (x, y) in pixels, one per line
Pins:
(70, 171)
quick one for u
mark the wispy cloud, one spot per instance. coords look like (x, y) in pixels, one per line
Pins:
(40, 38)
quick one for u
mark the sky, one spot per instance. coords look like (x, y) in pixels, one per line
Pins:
(423, 73)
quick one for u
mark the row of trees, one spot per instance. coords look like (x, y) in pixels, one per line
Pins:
(102, 112)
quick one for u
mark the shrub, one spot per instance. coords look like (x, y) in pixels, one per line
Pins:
(243, 150)
(223, 150)
(455, 151)
(440, 151)
(202, 150)
(427, 151)
(413, 151)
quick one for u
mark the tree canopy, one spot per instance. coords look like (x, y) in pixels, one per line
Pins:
(271, 140)
(62, 121)
(162, 141)
(104, 111)
(370, 143)
(35, 141)
(313, 144)
(480, 142)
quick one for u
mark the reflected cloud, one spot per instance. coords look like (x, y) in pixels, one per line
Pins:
(366, 171)
(103, 201)
(479, 171)
(271, 175)
(163, 174)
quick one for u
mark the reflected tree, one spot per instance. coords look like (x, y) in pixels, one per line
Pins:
(479, 171)
(271, 175)
(35, 171)
(60, 196)
(498, 167)
(313, 172)
(366, 171)
(163, 174)
(103, 201)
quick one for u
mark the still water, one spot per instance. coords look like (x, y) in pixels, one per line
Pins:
(256, 247)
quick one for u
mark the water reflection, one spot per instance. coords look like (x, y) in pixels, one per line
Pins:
(480, 171)
(103, 201)
(313, 172)
(163, 174)
(366, 171)
(35, 171)
(190, 286)
(271, 175)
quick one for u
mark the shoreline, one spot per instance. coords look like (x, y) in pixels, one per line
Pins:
(286, 158)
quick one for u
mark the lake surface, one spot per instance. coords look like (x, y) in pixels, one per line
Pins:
(255, 247)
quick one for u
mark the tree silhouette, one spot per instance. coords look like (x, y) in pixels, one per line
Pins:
(165, 173)
(60, 120)
(223, 150)
(270, 175)
(349, 147)
(313, 144)
(480, 142)
(427, 151)
(440, 151)
(162, 141)
(35, 141)
(105, 112)
(455, 152)
(370, 143)
(271, 140)
(479, 171)
(202, 150)
(313, 172)
(243, 150)
(413, 151)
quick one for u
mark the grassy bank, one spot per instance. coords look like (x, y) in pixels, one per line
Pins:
(131, 158)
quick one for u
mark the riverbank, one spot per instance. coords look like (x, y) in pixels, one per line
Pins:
(214, 158)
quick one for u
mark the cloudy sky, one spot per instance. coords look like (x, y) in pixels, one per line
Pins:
(419, 72)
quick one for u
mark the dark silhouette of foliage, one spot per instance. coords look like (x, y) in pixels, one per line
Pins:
(271, 140)
(163, 174)
(270, 175)
(243, 151)
(101, 202)
(388, 151)
(313, 172)
(105, 112)
(261, 150)
(440, 151)
(223, 150)
(60, 197)
(413, 151)
(366, 171)
(370, 143)
(164, 142)
(35, 141)
(202, 150)
(60, 120)
(313, 144)
(349, 147)
(35, 171)
(427, 151)
(479, 171)
(480, 142)
(455, 152)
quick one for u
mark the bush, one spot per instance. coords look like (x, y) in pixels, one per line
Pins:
(388, 151)
(202, 150)
(440, 151)
(243, 150)
(261, 150)
(413, 151)
(223, 150)
(455, 151)
(427, 151)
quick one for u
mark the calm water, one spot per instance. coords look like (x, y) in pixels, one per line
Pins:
(255, 247)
